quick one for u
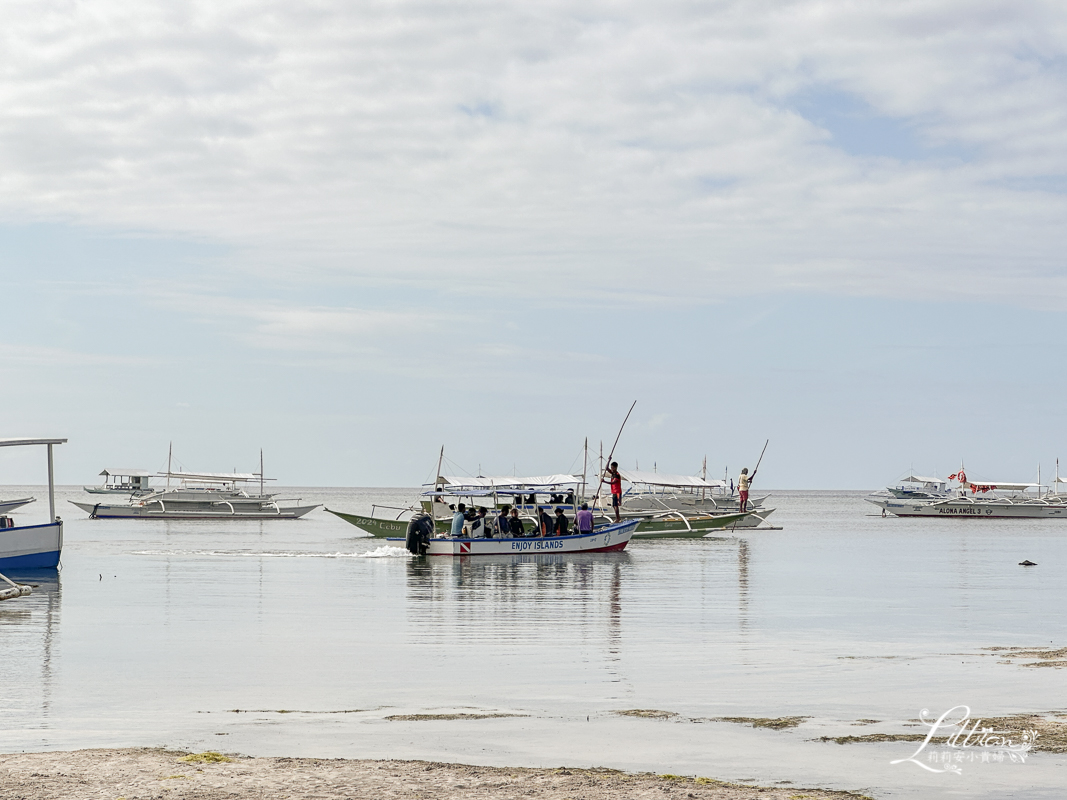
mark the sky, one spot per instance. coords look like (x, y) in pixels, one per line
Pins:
(351, 234)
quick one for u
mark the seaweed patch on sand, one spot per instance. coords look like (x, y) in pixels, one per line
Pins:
(1034, 656)
(774, 723)
(145, 772)
(646, 713)
(1051, 731)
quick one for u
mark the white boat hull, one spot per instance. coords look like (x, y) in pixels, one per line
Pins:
(607, 539)
(31, 546)
(11, 505)
(220, 511)
(975, 509)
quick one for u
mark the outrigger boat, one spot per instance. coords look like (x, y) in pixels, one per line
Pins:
(7, 506)
(986, 500)
(204, 495)
(133, 482)
(605, 539)
(685, 505)
(33, 546)
(531, 495)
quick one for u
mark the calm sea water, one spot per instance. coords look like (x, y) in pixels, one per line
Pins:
(303, 637)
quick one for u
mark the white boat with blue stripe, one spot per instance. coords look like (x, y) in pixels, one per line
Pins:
(605, 539)
(33, 546)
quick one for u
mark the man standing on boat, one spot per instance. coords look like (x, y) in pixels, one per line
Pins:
(743, 482)
(583, 520)
(616, 488)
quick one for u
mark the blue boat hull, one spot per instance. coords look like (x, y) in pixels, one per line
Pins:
(31, 546)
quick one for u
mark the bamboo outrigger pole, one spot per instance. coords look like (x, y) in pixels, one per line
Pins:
(764, 450)
(600, 485)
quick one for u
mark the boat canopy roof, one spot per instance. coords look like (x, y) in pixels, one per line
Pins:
(213, 477)
(18, 442)
(921, 479)
(126, 472)
(542, 482)
(1008, 485)
(663, 479)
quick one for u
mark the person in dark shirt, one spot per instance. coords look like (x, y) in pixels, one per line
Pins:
(560, 527)
(546, 522)
(515, 524)
(502, 522)
(570, 498)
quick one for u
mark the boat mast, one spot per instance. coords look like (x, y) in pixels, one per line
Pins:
(170, 452)
(260, 472)
(436, 480)
(585, 464)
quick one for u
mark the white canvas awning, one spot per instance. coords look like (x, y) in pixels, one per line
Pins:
(126, 472)
(213, 477)
(921, 479)
(1006, 485)
(663, 479)
(508, 481)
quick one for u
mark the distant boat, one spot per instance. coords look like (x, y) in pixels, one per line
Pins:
(33, 546)
(7, 506)
(972, 499)
(134, 482)
(203, 495)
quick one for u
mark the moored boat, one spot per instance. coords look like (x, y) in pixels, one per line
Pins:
(7, 506)
(975, 499)
(127, 481)
(33, 546)
(204, 495)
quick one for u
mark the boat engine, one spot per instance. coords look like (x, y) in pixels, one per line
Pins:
(420, 529)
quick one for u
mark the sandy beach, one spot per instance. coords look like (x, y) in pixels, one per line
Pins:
(138, 774)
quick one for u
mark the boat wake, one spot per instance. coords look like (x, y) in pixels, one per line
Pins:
(382, 552)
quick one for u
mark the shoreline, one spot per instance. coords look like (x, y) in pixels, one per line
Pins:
(142, 773)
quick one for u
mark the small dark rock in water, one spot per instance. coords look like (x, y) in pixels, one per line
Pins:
(1027, 563)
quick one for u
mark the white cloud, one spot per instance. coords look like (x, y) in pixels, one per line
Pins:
(651, 147)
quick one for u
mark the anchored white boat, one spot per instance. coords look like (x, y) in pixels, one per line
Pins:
(605, 539)
(978, 499)
(204, 495)
(684, 505)
(7, 506)
(134, 482)
(33, 546)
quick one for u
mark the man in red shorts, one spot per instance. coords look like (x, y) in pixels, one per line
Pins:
(616, 488)
(743, 483)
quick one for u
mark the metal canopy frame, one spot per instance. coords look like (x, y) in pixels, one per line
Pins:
(49, 443)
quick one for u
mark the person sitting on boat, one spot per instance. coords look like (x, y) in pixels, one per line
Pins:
(546, 522)
(559, 528)
(515, 524)
(616, 488)
(480, 526)
(503, 527)
(570, 498)
(583, 520)
(743, 482)
(459, 519)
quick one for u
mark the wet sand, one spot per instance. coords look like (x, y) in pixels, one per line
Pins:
(142, 773)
